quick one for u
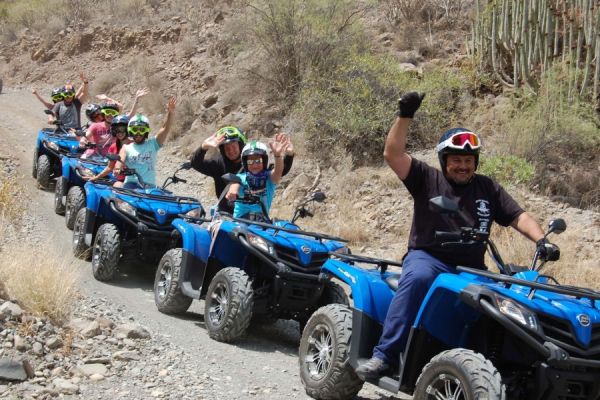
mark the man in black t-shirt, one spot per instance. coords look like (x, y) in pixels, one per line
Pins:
(479, 197)
(230, 141)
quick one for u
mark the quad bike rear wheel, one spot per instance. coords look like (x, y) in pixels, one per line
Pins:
(228, 305)
(167, 294)
(75, 202)
(44, 171)
(325, 369)
(459, 374)
(59, 207)
(106, 252)
(80, 249)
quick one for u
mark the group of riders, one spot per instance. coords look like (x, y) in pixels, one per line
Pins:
(480, 197)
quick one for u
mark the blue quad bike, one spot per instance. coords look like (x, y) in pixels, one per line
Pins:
(247, 270)
(121, 225)
(51, 145)
(517, 334)
(69, 195)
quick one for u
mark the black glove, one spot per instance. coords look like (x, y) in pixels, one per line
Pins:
(408, 104)
(547, 250)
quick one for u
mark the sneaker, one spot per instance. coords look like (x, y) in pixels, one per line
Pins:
(372, 369)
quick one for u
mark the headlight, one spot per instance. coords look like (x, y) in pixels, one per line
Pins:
(342, 250)
(85, 172)
(195, 213)
(52, 146)
(516, 312)
(261, 244)
(125, 207)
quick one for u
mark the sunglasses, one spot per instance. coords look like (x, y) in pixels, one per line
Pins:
(109, 112)
(138, 130)
(460, 140)
(57, 97)
(252, 162)
(120, 129)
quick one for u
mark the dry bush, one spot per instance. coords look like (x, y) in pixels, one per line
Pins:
(576, 267)
(107, 80)
(45, 17)
(185, 115)
(41, 280)
(11, 198)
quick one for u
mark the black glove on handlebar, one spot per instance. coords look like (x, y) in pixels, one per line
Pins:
(408, 104)
(547, 250)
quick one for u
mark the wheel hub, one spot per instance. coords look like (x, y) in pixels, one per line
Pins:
(320, 352)
(446, 387)
(218, 304)
(164, 283)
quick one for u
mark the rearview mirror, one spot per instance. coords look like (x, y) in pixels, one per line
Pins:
(231, 178)
(48, 112)
(319, 197)
(443, 205)
(186, 165)
(557, 226)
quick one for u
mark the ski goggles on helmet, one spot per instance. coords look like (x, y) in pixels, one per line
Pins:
(57, 97)
(138, 130)
(460, 140)
(109, 112)
(256, 161)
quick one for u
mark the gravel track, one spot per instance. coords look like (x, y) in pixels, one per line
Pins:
(263, 365)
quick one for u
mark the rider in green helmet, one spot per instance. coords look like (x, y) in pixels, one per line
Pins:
(230, 141)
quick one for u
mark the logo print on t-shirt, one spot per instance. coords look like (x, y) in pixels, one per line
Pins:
(483, 209)
(484, 213)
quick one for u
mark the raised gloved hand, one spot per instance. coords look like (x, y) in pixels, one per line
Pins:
(408, 104)
(546, 250)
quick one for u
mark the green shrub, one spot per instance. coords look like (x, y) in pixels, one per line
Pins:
(509, 170)
(295, 37)
(351, 107)
(560, 138)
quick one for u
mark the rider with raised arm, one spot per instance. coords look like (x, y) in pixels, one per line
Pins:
(68, 111)
(230, 141)
(257, 179)
(99, 133)
(480, 198)
(118, 129)
(55, 96)
(141, 153)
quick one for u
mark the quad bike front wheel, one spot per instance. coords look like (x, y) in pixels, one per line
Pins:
(44, 171)
(75, 202)
(228, 305)
(80, 249)
(459, 374)
(59, 207)
(106, 252)
(325, 370)
(167, 294)
(34, 167)
(333, 293)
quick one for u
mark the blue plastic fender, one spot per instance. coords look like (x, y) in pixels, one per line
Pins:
(370, 293)
(196, 240)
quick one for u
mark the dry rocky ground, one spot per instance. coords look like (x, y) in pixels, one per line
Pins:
(120, 349)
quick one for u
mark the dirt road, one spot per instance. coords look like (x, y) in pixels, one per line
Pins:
(263, 365)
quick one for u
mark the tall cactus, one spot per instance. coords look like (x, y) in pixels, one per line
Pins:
(519, 40)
